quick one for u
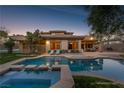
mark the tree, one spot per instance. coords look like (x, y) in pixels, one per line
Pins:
(9, 44)
(3, 33)
(32, 39)
(106, 21)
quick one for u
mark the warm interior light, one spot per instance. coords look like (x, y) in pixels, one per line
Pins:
(91, 38)
(47, 42)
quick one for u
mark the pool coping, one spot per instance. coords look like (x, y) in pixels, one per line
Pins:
(66, 79)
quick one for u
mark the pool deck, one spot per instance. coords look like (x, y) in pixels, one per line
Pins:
(66, 80)
(92, 55)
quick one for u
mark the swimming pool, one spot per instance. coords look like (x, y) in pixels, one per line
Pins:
(110, 68)
(29, 79)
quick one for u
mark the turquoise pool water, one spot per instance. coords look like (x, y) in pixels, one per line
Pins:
(104, 67)
(29, 79)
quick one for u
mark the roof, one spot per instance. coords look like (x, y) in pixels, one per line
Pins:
(48, 37)
(61, 37)
(18, 37)
(57, 31)
(60, 31)
(66, 36)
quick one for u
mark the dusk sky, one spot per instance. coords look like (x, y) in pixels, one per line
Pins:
(20, 19)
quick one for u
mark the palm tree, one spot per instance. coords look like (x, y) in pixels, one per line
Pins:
(106, 21)
(9, 44)
(32, 39)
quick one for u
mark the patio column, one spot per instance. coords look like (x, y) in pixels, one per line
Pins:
(64, 45)
(79, 45)
(84, 46)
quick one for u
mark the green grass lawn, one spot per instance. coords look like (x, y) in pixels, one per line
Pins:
(5, 57)
(93, 82)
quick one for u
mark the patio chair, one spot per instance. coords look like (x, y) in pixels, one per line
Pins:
(51, 52)
(58, 52)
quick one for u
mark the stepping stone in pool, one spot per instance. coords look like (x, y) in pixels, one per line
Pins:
(42, 67)
(56, 67)
(31, 67)
(17, 67)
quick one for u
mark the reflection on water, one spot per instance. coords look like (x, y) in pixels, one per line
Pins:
(121, 61)
(104, 67)
(86, 65)
(76, 65)
(29, 79)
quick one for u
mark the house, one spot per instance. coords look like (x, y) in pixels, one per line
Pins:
(57, 39)
(2, 41)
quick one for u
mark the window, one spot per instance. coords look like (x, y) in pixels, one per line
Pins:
(73, 45)
(55, 45)
(82, 46)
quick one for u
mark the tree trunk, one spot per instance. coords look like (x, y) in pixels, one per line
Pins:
(10, 50)
(30, 46)
(101, 46)
(108, 39)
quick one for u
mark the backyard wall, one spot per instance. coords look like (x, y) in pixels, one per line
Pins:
(117, 47)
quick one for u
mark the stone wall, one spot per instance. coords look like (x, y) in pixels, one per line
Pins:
(64, 44)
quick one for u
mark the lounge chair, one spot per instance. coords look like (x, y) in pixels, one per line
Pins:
(51, 52)
(58, 52)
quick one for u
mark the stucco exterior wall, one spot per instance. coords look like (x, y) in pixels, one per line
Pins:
(79, 45)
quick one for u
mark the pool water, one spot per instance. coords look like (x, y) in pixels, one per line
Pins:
(110, 68)
(45, 60)
(29, 79)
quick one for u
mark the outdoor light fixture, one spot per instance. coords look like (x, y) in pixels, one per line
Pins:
(91, 38)
(47, 42)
